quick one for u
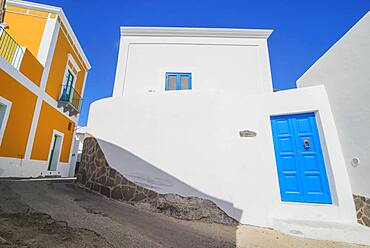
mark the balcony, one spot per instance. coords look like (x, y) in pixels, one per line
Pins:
(70, 100)
(10, 50)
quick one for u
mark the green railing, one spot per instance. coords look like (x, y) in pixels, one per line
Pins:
(9, 49)
(70, 95)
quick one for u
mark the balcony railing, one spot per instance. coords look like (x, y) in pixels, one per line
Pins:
(10, 50)
(70, 100)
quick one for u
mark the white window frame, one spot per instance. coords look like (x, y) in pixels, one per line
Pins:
(73, 62)
(8, 105)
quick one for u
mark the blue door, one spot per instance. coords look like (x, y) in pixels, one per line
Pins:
(300, 164)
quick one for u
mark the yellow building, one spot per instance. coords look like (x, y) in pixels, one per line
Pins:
(43, 71)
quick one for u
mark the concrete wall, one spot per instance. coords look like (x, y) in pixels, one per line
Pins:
(344, 70)
(189, 144)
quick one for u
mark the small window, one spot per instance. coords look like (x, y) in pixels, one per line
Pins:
(5, 106)
(178, 81)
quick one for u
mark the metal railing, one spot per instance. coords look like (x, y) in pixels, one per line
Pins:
(10, 50)
(69, 94)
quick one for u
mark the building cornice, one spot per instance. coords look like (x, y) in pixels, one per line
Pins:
(62, 16)
(196, 32)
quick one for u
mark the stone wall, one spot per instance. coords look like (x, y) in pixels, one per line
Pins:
(363, 209)
(95, 174)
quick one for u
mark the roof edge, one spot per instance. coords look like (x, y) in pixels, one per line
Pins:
(60, 12)
(196, 32)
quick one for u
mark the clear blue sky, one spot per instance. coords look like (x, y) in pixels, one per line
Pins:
(303, 30)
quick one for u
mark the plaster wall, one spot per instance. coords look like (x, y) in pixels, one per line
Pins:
(216, 64)
(344, 71)
(188, 143)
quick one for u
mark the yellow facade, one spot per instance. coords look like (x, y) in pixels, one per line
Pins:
(50, 119)
(19, 124)
(37, 109)
(31, 67)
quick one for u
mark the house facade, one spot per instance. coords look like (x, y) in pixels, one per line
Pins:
(43, 71)
(194, 113)
(344, 71)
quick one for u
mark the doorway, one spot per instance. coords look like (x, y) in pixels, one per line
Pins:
(299, 159)
(55, 148)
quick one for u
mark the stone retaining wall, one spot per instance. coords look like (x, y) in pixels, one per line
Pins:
(96, 175)
(363, 209)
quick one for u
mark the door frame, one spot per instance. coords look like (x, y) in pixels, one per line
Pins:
(58, 148)
(325, 155)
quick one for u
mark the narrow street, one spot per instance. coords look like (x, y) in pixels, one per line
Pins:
(59, 214)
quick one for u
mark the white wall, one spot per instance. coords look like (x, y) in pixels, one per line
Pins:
(16, 167)
(216, 64)
(344, 70)
(188, 143)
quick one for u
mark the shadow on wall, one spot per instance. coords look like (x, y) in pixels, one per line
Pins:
(150, 177)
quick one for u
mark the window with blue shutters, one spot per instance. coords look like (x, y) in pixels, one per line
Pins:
(178, 81)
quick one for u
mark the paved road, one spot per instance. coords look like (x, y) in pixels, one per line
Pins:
(101, 222)
(121, 224)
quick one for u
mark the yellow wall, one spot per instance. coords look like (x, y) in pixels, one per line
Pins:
(31, 68)
(27, 30)
(15, 137)
(59, 63)
(49, 120)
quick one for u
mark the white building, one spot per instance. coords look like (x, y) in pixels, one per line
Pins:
(192, 113)
(345, 71)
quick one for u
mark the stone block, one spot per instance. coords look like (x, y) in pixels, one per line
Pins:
(116, 193)
(105, 191)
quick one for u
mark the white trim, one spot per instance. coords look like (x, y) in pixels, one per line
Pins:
(49, 60)
(68, 68)
(47, 40)
(75, 65)
(32, 134)
(73, 155)
(60, 134)
(60, 13)
(120, 68)
(4, 122)
(26, 13)
(196, 32)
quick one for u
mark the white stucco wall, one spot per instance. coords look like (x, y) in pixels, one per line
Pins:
(188, 143)
(345, 71)
(217, 63)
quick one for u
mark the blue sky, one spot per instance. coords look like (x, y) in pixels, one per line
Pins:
(303, 30)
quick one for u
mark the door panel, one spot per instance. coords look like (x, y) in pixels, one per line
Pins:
(301, 169)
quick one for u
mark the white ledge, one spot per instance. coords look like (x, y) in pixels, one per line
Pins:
(196, 32)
